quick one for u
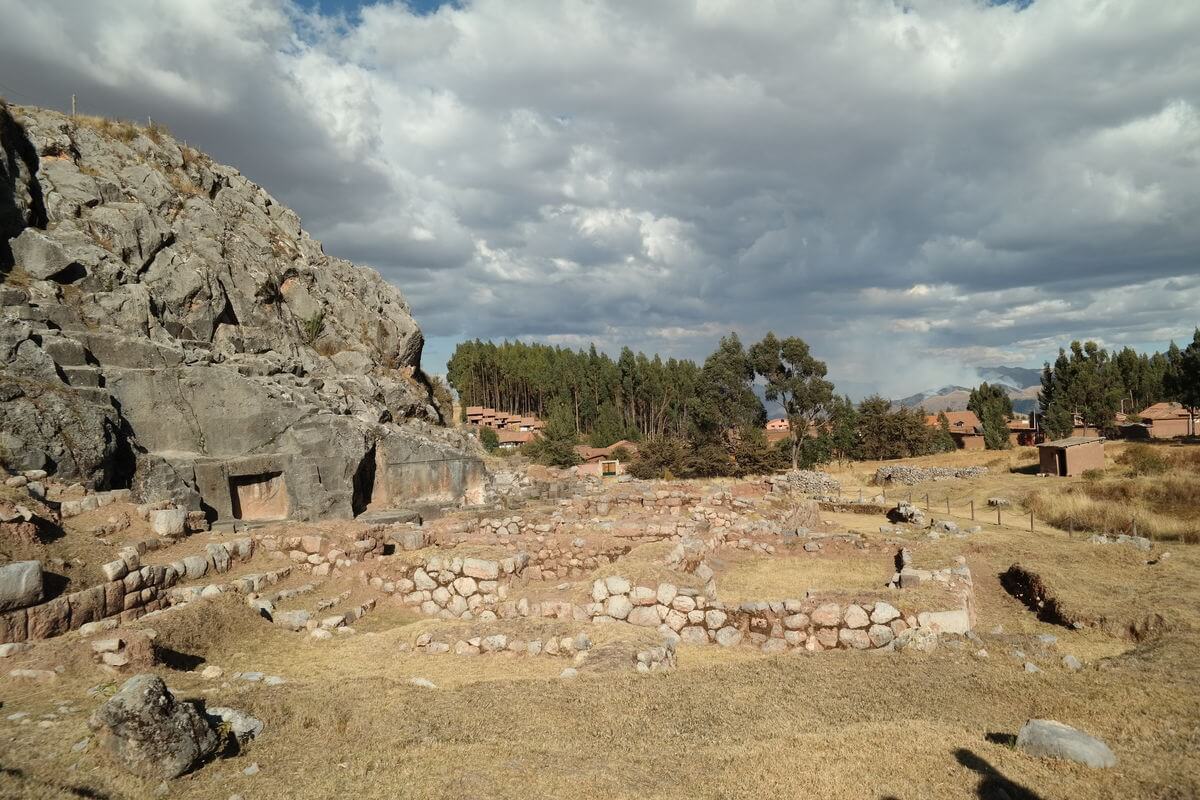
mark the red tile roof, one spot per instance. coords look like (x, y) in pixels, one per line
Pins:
(1165, 411)
(960, 421)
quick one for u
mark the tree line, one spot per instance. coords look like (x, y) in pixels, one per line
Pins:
(632, 397)
(1086, 380)
(690, 420)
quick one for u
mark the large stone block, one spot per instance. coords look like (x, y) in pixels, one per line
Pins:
(169, 521)
(20, 584)
(13, 627)
(956, 621)
(49, 619)
(86, 606)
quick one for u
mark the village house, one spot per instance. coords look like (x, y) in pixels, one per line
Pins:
(778, 430)
(1023, 431)
(484, 417)
(1072, 456)
(1168, 420)
(601, 461)
(965, 428)
(511, 440)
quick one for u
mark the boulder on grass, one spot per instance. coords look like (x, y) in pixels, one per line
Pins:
(1051, 739)
(150, 733)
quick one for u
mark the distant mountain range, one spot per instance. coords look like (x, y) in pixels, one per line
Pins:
(1021, 383)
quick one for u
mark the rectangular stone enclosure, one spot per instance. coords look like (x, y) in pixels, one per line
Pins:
(259, 497)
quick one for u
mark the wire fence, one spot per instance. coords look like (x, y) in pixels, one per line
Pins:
(1004, 516)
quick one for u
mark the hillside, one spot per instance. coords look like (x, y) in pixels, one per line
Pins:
(163, 319)
(1021, 384)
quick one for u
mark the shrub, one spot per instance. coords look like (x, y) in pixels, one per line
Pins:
(489, 439)
(556, 446)
(663, 457)
(1143, 459)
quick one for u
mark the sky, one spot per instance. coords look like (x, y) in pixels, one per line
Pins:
(914, 188)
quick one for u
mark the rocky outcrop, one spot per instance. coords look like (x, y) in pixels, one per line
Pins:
(166, 325)
(150, 733)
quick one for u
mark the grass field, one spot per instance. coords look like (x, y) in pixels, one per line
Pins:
(725, 723)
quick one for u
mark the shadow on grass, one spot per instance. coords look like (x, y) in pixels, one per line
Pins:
(177, 660)
(992, 783)
(71, 791)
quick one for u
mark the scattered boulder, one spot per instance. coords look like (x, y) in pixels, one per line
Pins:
(150, 733)
(241, 726)
(907, 512)
(1049, 738)
(918, 640)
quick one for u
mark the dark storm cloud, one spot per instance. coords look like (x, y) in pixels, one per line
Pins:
(913, 189)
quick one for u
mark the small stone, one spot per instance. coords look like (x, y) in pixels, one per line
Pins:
(729, 636)
(211, 672)
(1072, 663)
(856, 617)
(569, 672)
(1031, 667)
(424, 683)
(251, 770)
(883, 613)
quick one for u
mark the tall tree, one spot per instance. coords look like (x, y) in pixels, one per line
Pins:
(796, 381)
(994, 408)
(724, 399)
(1184, 380)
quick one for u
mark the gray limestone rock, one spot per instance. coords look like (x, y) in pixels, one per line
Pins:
(20, 584)
(150, 733)
(210, 353)
(1052, 739)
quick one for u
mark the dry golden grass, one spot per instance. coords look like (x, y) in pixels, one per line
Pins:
(115, 128)
(183, 184)
(16, 277)
(726, 723)
(1158, 496)
(756, 578)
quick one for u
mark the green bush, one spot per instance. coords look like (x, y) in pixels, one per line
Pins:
(489, 439)
(1142, 459)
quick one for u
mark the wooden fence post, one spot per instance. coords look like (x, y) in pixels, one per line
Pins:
(997, 515)
(1031, 522)
(972, 509)
(927, 508)
(947, 504)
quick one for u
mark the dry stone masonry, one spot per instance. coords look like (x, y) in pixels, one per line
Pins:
(902, 473)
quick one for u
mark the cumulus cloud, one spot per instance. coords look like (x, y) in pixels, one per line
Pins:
(914, 188)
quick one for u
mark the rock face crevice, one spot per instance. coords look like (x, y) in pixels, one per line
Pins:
(167, 325)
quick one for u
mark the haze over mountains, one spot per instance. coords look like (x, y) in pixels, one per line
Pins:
(1021, 383)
